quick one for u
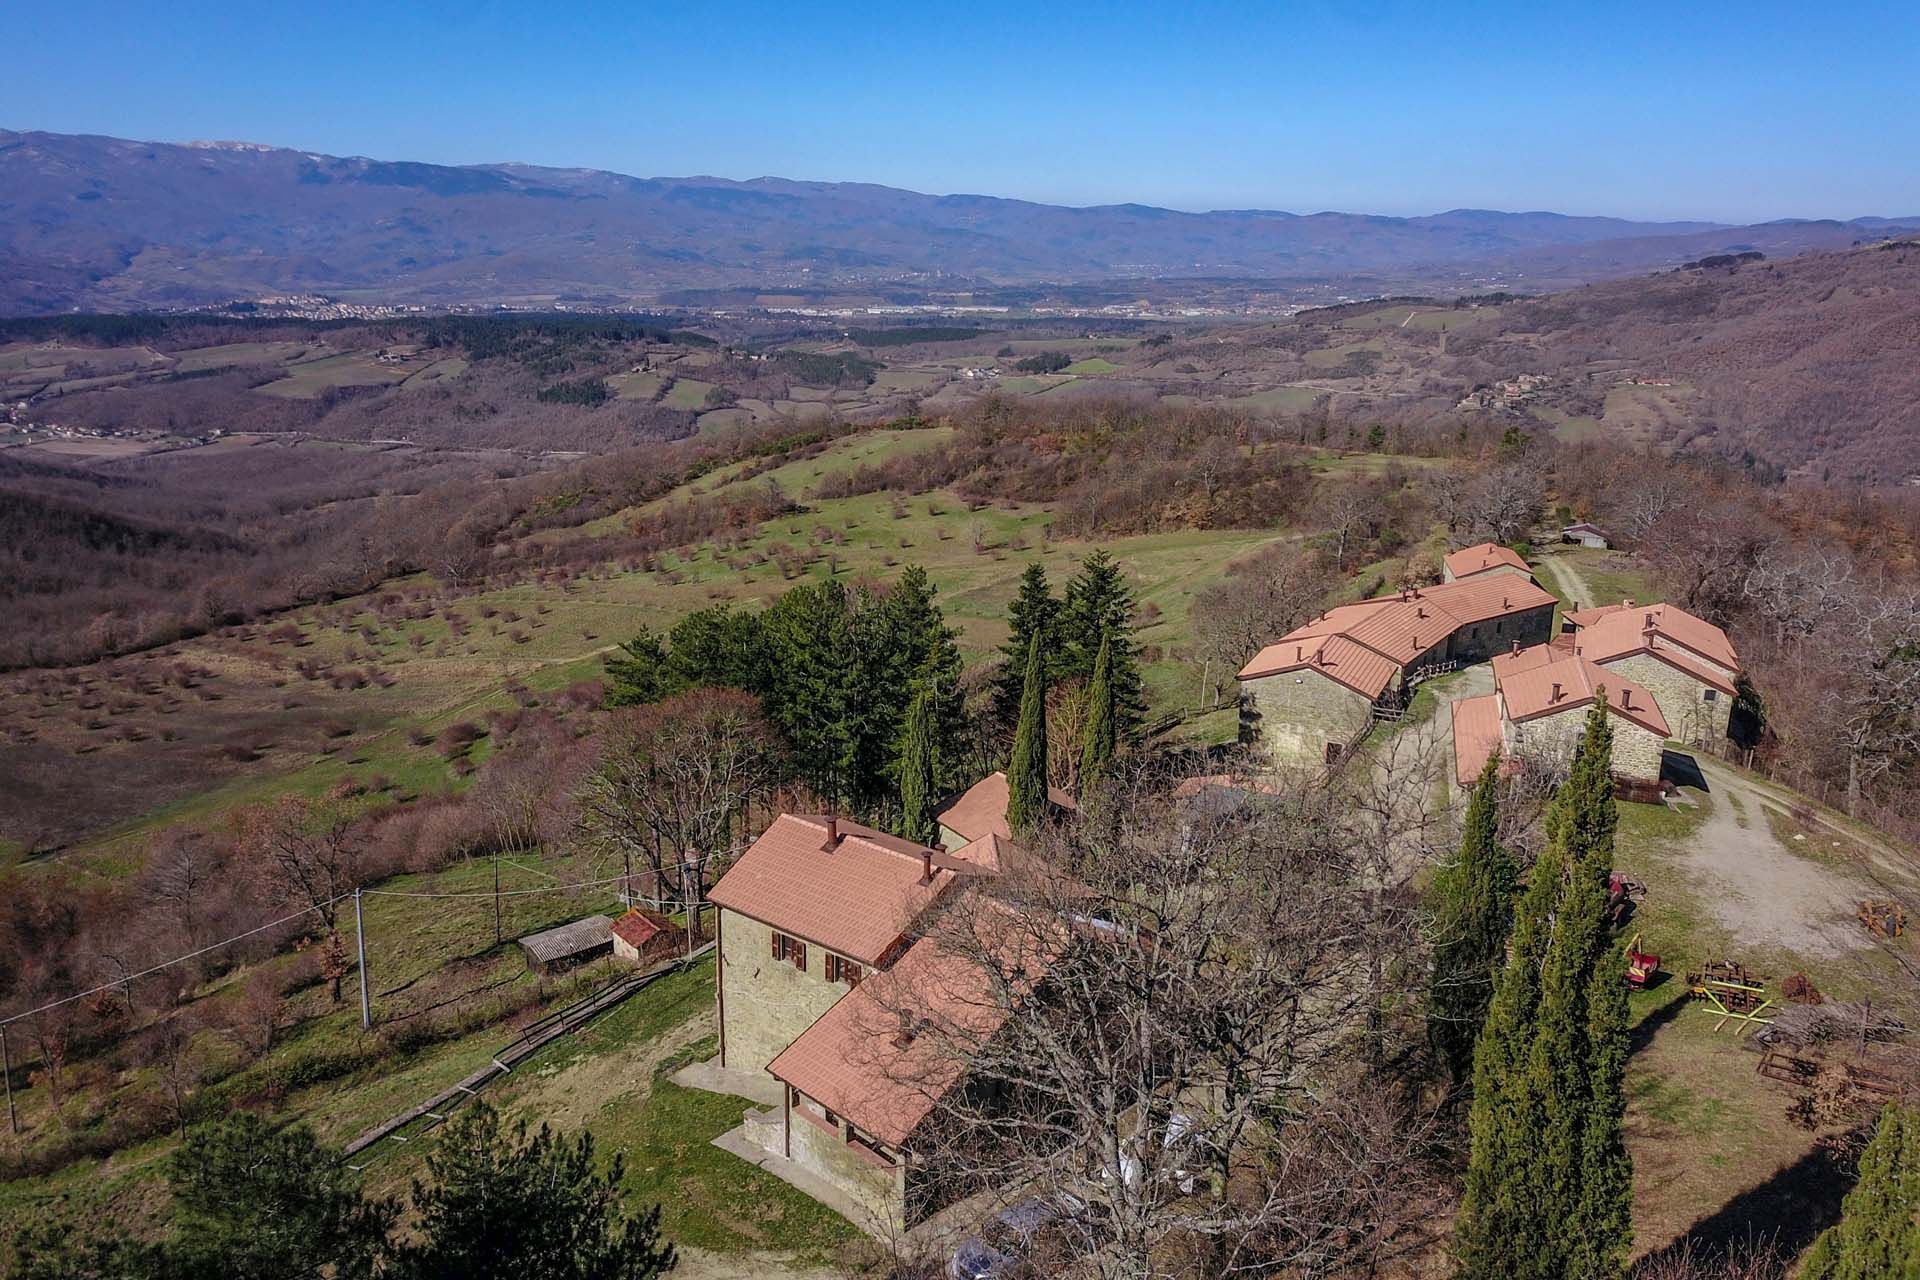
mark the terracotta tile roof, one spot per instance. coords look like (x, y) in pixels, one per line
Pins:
(855, 1059)
(1476, 735)
(858, 899)
(636, 928)
(1531, 688)
(1365, 646)
(1468, 561)
(1666, 631)
(981, 810)
(1334, 656)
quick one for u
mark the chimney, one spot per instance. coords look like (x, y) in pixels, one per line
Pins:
(1299, 652)
(1626, 602)
(1626, 699)
(1649, 624)
(1420, 612)
(926, 866)
(1516, 646)
(1416, 643)
(1556, 692)
(833, 834)
(1506, 602)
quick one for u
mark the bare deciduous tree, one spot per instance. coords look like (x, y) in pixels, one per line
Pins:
(678, 778)
(1158, 1019)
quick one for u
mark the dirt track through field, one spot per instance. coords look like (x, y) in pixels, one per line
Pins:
(1763, 893)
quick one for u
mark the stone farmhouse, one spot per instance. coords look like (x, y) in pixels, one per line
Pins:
(1484, 557)
(1308, 697)
(1538, 708)
(1688, 663)
(814, 910)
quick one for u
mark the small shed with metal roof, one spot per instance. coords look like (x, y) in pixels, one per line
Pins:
(563, 947)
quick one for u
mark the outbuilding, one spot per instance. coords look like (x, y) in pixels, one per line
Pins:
(554, 950)
(1586, 535)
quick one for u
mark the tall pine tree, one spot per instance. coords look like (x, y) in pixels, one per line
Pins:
(1096, 752)
(920, 770)
(1879, 1230)
(1099, 610)
(1470, 908)
(1548, 1178)
(813, 657)
(1034, 612)
(1027, 776)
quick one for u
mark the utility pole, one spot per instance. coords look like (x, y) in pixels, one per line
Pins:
(496, 897)
(6, 1066)
(360, 943)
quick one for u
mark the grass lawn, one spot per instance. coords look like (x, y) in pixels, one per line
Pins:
(688, 393)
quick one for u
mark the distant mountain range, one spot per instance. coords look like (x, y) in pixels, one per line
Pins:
(100, 223)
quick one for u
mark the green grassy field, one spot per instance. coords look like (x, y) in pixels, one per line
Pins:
(307, 378)
(688, 393)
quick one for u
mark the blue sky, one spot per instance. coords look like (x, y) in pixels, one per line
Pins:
(1723, 111)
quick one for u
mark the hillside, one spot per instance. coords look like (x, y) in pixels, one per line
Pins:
(107, 224)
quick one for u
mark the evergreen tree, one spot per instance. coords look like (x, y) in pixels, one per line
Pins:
(1027, 776)
(498, 1205)
(1548, 1178)
(919, 647)
(252, 1200)
(920, 770)
(1096, 753)
(1099, 609)
(1034, 612)
(717, 646)
(1879, 1230)
(637, 673)
(1471, 910)
(812, 659)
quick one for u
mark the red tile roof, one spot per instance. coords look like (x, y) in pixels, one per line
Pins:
(1476, 735)
(637, 929)
(1366, 645)
(858, 899)
(1482, 557)
(1666, 631)
(981, 810)
(855, 1060)
(1531, 687)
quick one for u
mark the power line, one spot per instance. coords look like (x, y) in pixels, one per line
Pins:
(168, 964)
(125, 979)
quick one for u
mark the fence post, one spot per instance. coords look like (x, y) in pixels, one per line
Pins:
(360, 944)
(6, 1066)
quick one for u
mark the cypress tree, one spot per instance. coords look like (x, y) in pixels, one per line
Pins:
(1099, 610)
(1471, 912)
(1034, 612)
(1096, 752)
(919, 770)
(1877, 1233)
(1548, 1178)
(1027, 777)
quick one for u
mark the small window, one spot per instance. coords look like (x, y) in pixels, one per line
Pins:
(791, 950)
(1711, 695)
(841, 969)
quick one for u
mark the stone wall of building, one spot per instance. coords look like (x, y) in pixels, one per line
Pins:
(830, 1156)
(1481, 640)
(1691, 715)
(767, 1002)
(1292, 716)
(1636, 750)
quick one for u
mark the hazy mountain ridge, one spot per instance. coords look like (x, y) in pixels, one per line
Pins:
(104, 223)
